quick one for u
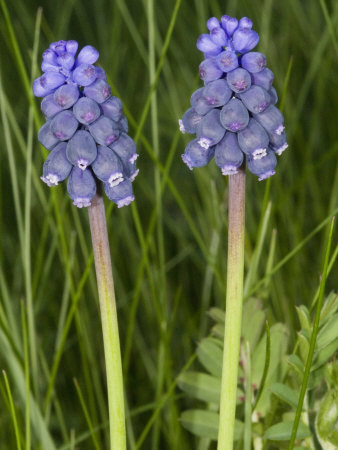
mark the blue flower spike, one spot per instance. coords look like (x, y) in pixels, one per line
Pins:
(234, 115)
(85, 130)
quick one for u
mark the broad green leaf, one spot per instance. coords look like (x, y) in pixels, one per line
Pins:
(296, 363)
(253, 321)
(321, 357)
(304, 317)
(205, 424)
(329, 308)
(327, 419)
(218, 330)
(201, 386)
(304, 345)
(285, 394)
(210, 356)
(315, 378)
(328, 333)
(282, 431)
(217, 314)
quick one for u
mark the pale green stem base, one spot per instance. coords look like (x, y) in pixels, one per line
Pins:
(110, 331)
(233, 316)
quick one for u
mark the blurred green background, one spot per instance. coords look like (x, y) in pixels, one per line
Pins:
(169, 248)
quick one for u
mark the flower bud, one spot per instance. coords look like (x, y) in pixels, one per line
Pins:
(47, 83)
(239, 80)
(244, 40)
(81, 149)
(46, 137)
(64, 125)
(206, 45)
(271, 119)
(253, 62)
(104, 130)
(219, 37)
(98, 91)
(273, 96)
(190, 121)
(49, 107)
(86, 110)
(264, 78)
(87, 55)
(200, 103)
(228, 155)
(212, 23)
(81, 187)
(256, 99)
(229, 24)
(66, 61)
(112, 108)
(227, 61)
(234, 116)
(71, 47)
(125, 148)
(209, 70)
(245, 22)
(122, 194)
(56, 167)
(84, 74)
(217, 93)
(66, 95)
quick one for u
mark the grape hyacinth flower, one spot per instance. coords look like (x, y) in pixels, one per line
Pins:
(81, 113)
(237, 91)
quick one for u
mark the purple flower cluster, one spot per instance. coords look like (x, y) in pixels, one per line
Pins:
(85, 130)
(234, 114)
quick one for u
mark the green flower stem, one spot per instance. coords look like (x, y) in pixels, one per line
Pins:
(233, 316)
(111, 341)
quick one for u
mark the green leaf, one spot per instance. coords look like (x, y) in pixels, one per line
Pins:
(210, 356)
(304, 346)
(304, 317)
(296, 363)
(329, 308)
(282, 431)
(218, 330)
(201, 386)
(327, 419)
(217, 314)
(285, 394)
(324, 355)
(205, 424)
(328, 333)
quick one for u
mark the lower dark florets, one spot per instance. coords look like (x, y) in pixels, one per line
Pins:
(233, 115)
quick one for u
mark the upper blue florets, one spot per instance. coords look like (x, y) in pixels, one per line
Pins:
(85, 129)
(234, 115)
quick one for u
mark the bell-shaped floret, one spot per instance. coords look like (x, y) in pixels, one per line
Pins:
(125, 148)
(66, 61)
(87, 55)
(64, 125)
(49, 107)
(228, 155)
(47, 83)
(264, 167)
(264, 78)
(98, 91)
(84, 74)
(108, 166)
(256, 99)
(219, 36)
(217, 93)
(86, 110)
(244, 40)
(271, 119)
(56, 167)
(81, 187)
(273, 95)
(245, 22)
(66, 95)
(122, 194)
(254, 140)
(195, 155)
(206, 45)
(71, 47)
(200, 103)
(229, 24)
(210, 130)
(253, 62)
(212, 23)
(239, 80)
(81, 149)
(46, 137)
(130, 170)
(100, 74)
(112, 108)
(59, 47)
(189, 121)
(278, 142)
(123, 124)
(50, 57)
(234, 115)
(227, 61)
(209, 70)
(104, 130)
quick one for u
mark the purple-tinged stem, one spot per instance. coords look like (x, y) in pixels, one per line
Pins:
(111, 341)
(233, 315)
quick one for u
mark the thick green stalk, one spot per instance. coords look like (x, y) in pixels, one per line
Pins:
(233, 316)
(111, 341)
